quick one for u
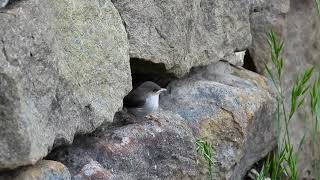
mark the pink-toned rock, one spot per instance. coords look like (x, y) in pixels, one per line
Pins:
(93, 171)
(162, 148)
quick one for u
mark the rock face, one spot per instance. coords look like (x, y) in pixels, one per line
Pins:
(182, 34)
(229, 107)
(298, 24)
(162, 148)
(263, 18)
(64, 69)
(43, 170)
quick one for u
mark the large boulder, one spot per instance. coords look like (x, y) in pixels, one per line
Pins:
(182, 34)
(298, 24)
(162, 148)
(231, 108)
(64, 69)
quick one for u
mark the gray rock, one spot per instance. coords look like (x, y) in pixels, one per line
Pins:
(43, 170)
(263, 18)
(236, 58)
(161, 148)
(93, 170)
(182, 34)
(231, 108)
(3, 3)
(299, 28)
(64, 69)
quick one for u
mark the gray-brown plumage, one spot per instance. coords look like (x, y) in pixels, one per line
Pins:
(144, 99)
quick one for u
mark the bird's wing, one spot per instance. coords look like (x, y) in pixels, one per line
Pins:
(132, 100)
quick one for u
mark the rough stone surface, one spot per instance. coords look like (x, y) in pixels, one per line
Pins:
(93, 170)
(266, 16)
(182, 34)
(64, 69)
(231, 108)
(43, 170)
(298, 24)
(162, 148)
(236, 59)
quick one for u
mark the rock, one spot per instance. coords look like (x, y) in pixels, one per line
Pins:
(64, 69)
(263, 18)
(230, 107)
(93, 170)
(3, 3)
(182, 34)
(236, 58)
(162, 148)
(299, 27)
(43, 170)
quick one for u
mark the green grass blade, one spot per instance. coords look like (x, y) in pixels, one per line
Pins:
(318, 5)
(205, 150)
(270, 73)
(302, 140)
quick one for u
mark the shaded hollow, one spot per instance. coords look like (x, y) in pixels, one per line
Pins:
(9, 4)
(257, 166)
(249, 63)
(143, 70)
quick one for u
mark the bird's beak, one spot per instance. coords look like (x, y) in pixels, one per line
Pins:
(162, 90)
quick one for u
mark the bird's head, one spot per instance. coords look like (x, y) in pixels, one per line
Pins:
(151, 88)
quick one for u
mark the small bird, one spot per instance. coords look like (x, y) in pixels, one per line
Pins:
(143, 100)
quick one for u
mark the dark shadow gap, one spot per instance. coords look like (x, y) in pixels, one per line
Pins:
(249, 62)
(11, 4)
(143, 70)
(257, 166)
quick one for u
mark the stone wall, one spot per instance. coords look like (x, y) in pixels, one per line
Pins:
(65, 67)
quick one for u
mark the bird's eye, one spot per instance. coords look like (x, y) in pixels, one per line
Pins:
(155, 90)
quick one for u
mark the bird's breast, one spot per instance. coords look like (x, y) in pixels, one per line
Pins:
(151, 105)
(152, 102)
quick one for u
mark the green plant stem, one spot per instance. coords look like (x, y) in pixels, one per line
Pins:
(318, 5)
(284, 161)
(205, 150)
(286, 119)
